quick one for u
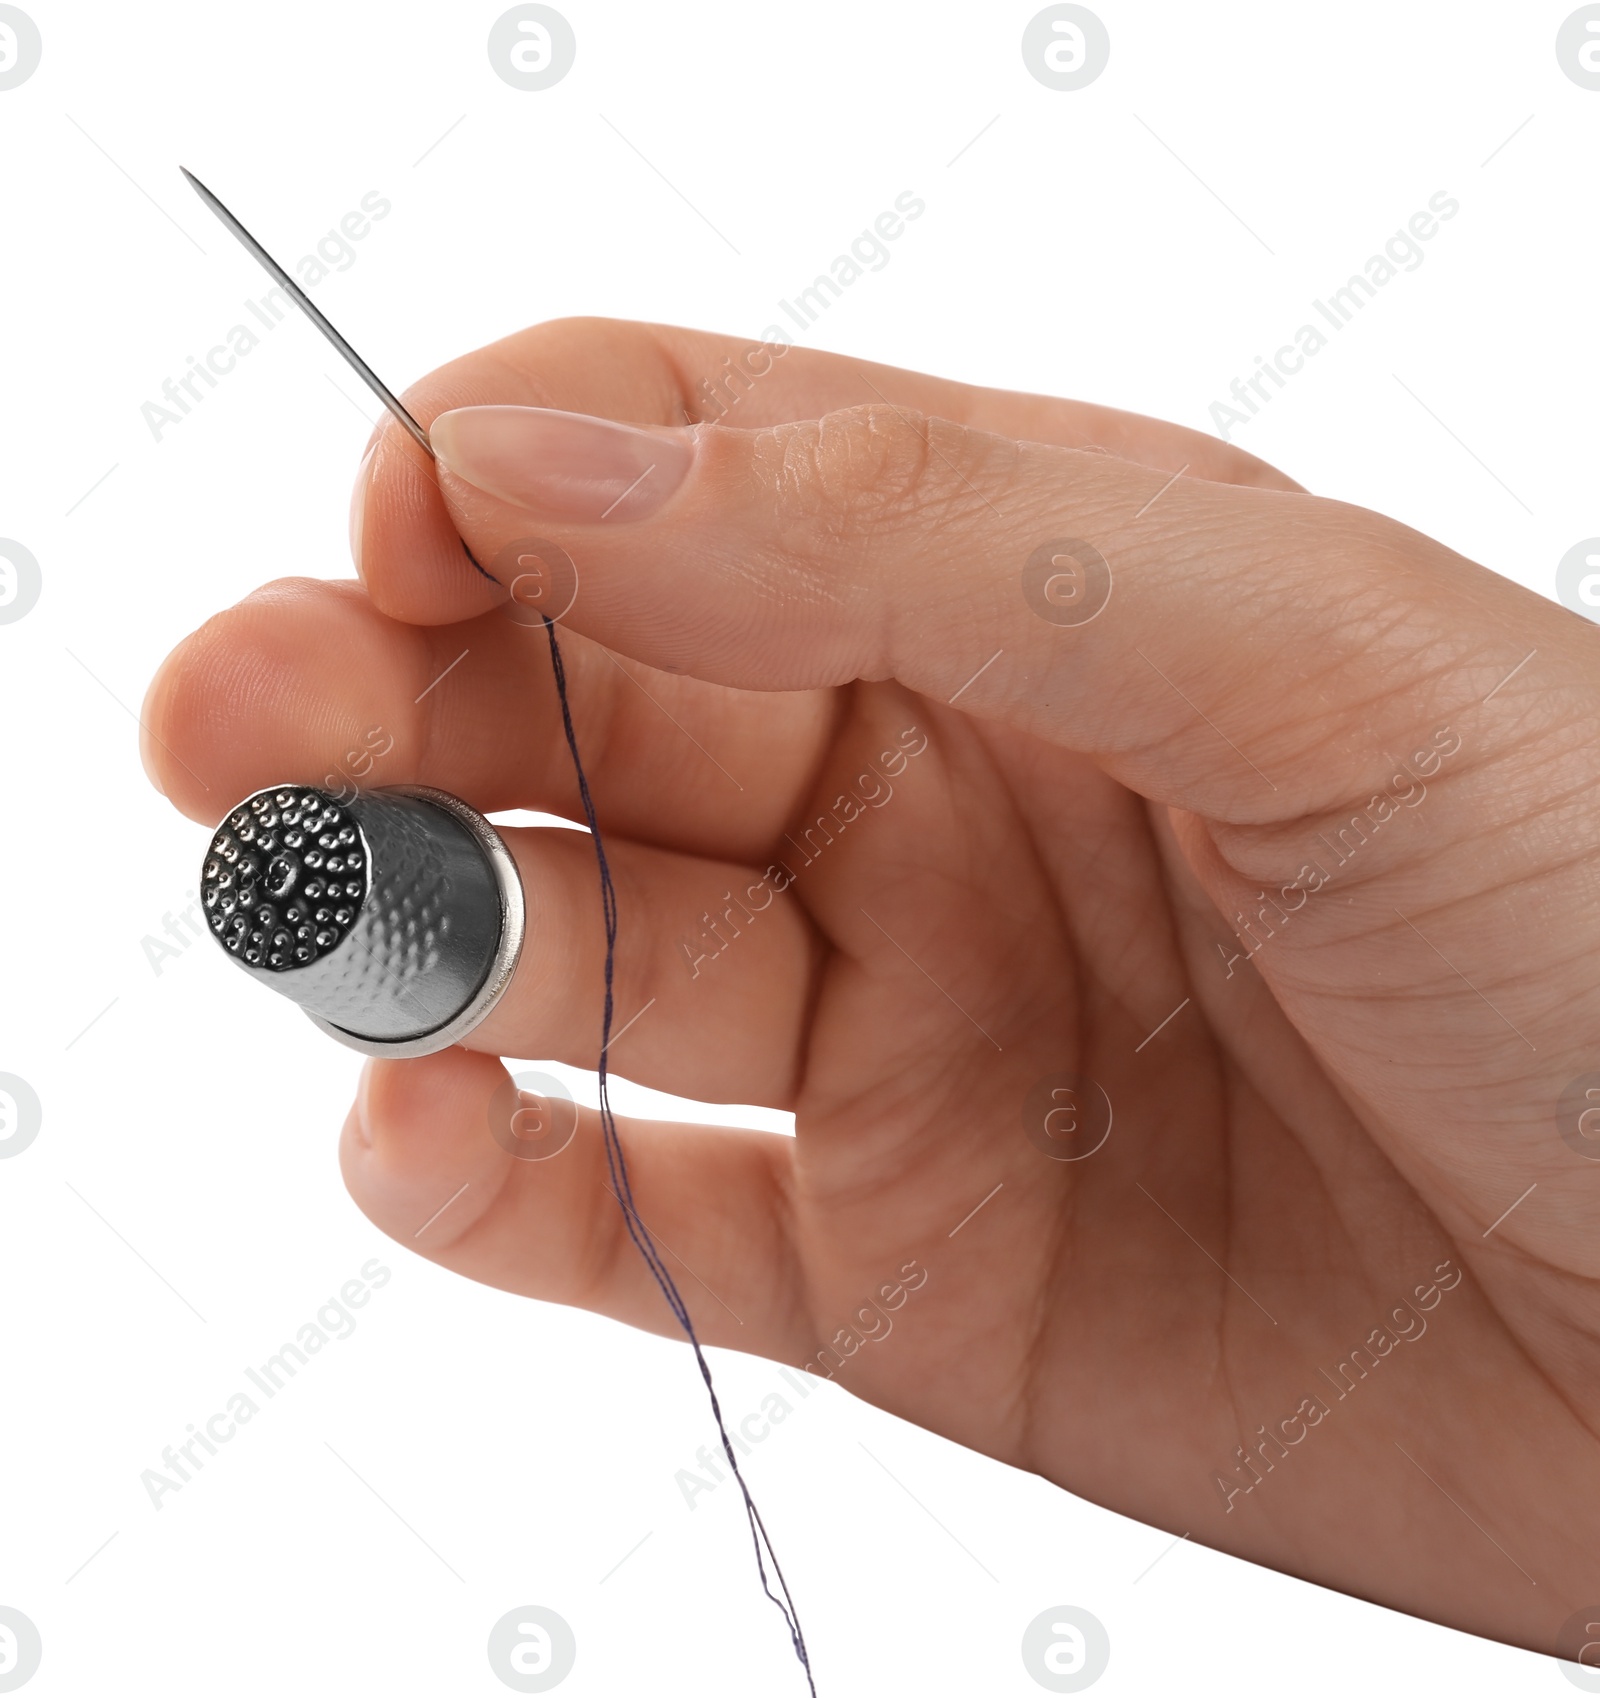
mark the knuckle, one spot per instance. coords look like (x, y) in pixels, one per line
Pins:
(855, 473)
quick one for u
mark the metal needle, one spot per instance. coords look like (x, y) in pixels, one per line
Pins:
(296, 294)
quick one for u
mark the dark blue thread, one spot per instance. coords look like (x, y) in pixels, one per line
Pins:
(621, 1187)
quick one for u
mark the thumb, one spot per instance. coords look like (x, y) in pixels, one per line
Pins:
(1245, 653)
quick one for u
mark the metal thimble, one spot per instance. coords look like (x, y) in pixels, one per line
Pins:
(393, 917)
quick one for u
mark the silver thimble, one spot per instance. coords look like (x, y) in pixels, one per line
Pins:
(394, 917)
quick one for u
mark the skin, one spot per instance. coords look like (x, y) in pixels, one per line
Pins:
(1331, 1125)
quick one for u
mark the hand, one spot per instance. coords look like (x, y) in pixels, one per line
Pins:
(1284, 854)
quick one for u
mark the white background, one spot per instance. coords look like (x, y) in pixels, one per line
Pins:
(1137, 242)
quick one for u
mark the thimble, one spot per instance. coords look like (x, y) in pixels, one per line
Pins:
(393, 917)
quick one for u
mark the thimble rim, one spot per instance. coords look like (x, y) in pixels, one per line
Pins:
(513, 927)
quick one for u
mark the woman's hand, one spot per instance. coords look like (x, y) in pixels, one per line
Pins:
(975, 768)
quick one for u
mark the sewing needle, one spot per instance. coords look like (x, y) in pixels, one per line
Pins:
(296, 294)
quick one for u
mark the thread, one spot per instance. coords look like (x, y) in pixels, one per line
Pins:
(621, 1187)
(615, 1159)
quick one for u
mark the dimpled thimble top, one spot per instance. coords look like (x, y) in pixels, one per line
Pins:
(285, 878)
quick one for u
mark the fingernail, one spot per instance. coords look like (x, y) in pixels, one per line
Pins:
(358, 500)
(147, 741)
(147, 759)
(363, 1122)
(562, 465)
